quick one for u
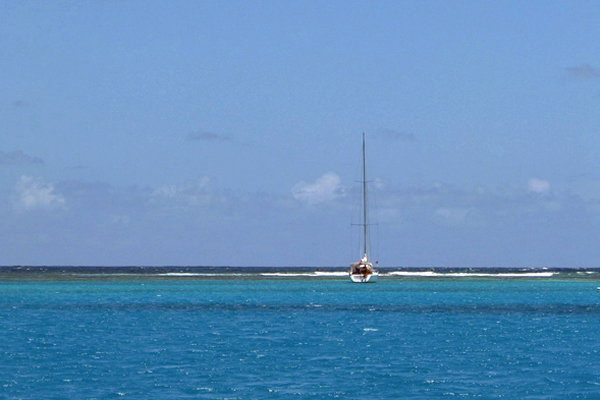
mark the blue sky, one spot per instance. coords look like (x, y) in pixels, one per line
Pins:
(228, 133)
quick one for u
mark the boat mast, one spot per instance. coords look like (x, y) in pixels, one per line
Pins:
(364, 183)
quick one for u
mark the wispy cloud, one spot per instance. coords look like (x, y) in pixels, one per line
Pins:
(327, 188)
(584, 71)
(389, 134)
(186, 222)
(453, 206)
(18, 158)
(538, 186)
(33, 193)
(190, 194)
(451, 215)
(207, 137)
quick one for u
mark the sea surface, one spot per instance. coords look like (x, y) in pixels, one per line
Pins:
(298, 333)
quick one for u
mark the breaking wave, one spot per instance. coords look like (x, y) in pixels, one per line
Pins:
(472, 274)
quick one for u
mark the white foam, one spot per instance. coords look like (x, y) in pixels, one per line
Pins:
(473, 274)
(334, 273)
(196, 274)
(309, 274)
(414, 273)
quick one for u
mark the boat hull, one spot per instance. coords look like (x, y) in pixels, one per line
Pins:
(359, 278)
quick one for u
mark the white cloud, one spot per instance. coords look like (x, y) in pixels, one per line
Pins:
(327, 188)
(450, 215)
(189, 194)
(538, 186)
(33, 193)
(379, 184)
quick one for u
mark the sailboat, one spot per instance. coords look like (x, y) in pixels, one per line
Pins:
(362, 271)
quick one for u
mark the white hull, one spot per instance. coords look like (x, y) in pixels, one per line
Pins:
(359, 278)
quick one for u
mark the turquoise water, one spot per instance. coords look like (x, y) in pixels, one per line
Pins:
(300, 338)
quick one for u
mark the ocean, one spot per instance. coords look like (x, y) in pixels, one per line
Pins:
(298, 333)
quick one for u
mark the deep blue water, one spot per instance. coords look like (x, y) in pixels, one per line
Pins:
(300, 338)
